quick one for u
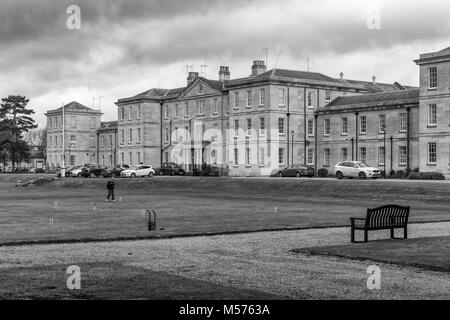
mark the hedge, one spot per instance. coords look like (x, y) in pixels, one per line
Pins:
(426, 176)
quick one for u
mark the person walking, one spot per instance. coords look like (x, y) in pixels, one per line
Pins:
(110, 186)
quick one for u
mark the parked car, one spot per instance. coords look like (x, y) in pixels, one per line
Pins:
(76, 171)
(356, 169)
(170, 168)
(68, 171)
(114, 171)
(296, 170)
(92, 170)
(138, 171)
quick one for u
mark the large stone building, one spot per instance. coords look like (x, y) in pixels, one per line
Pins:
(274, 118)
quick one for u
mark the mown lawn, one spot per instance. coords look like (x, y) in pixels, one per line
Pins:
(192, 205)
(428, 253)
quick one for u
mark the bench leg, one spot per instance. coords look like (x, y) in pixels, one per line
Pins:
(405, 232)
(352, 231)
(392, 233)
(366, 236)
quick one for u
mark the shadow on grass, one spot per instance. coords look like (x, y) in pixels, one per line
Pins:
(115, 281)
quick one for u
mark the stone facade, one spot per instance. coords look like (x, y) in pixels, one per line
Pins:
(81, 125)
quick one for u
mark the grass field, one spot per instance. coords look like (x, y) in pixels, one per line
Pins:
(190, 205)
(428, 253)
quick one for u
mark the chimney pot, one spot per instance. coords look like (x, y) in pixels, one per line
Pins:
(341, 75)
(191, 76)
(374, 79)
(224, 73)
(258, 67)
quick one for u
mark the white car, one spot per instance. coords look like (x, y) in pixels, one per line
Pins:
(138, 171)
(76, 171)
(356, 169)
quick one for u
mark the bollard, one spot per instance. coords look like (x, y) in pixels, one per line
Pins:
(151, 222)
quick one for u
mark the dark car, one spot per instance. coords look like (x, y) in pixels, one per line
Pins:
(170, 168)
(114, 171)
(92, 170)
(296, 170)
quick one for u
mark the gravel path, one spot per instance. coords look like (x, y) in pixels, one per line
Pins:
(261, 261)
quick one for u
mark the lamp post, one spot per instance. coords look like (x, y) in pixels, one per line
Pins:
(292, 147)
(192, 143)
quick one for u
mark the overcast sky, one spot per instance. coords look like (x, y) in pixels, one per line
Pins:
(125, 47)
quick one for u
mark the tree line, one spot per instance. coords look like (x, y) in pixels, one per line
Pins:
(15, 122)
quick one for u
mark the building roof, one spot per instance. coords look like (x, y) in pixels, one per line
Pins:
(108, 125)
(373, 99)
(74, 106)
(277, 75)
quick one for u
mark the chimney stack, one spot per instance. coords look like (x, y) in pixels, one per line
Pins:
(258, 67)
(191, 76)
(341, 75)
(374, 79)
(224, 73)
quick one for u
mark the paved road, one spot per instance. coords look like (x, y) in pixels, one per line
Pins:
(261, 261)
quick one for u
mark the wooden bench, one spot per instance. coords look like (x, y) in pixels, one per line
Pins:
(385, 217)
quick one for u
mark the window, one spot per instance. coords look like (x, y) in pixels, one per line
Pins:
(326, 127)
(73, 122)
(381, 155)
(138, 138)
(236, 157)
(310, 99)
(432, 152)
(130, 112)
(92, 140)
(310, 156)
(310, 127)
(432, 119)
(382, 123)
(344, 126)
(249, 98)
(343, 154)
(72, 160)
(363, 154)
(50, 123)
(166, 156)
(92, 122)
(177, 111)
(236, 128)
(402, 155)
(166, 111)
(247, 156)
(236, 100)
(327, 95)
(122, 157)
(103, 141)
(186, 109)
(111, 139)
(261, 156)
(282, 97)
(363, 125)
(122, 135)
(403, 122)
(130, 135)
(122, 113)
(262, 97)
(215, 106)
(50, 141)
(56, 122)
(166, 136)
(281, 125)
(73, 139)
(139, 157)
(130, 154)
(202, 107)
(249, 127)
(326, 157)
(262, 126)
(281, 155)
(432, 81)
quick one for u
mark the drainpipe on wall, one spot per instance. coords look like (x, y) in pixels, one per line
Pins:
(98, 147)
(288, 115)
(161, 133)
(408, 137)
(392, 149)
(357, 135)
(315, 143)
(305, 123)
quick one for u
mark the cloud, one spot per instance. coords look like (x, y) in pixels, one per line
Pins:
(125, 47)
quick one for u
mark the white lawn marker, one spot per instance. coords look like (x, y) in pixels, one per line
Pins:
(50, 222)
(275, 210)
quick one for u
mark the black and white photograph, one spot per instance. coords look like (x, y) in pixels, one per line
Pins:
(225, 159)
